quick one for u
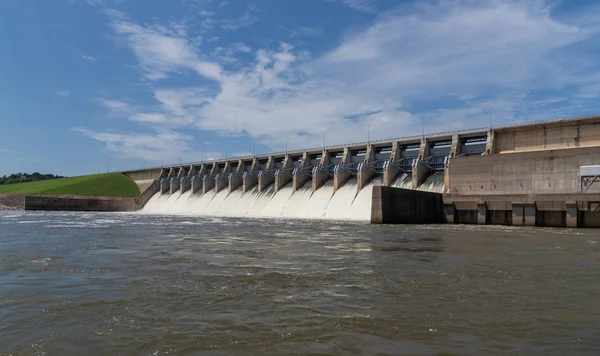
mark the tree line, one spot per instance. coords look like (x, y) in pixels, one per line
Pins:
(26, 177)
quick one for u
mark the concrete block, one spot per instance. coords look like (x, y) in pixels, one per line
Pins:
(165, 185)
(419, 171)
(175, 185)
(265, 180)
(235, 181)
(572, 215)
(221, 182)
(208, 184)
(319, 177)
(301, 178)
(197, 184)
(281, 180)
(406, 206)
(186, 184)
(482, 214)
(249, 181)
(340, 177)
(529, 212)
(449, 212)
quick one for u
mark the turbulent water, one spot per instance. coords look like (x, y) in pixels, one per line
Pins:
(131, 284)
(346, 204)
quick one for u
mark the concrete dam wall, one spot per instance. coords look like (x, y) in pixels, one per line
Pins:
(507, 169)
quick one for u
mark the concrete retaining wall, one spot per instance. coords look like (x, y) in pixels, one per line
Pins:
(543, 172)
(405, 206)
(12, 202)
(77, 203)
(61, 203)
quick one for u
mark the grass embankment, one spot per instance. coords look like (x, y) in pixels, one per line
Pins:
(106, 185)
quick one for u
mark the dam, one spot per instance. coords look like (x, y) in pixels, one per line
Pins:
(538, 174)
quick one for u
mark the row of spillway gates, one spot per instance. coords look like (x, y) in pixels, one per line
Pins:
(385, 161)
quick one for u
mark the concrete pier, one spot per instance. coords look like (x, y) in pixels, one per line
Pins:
(303, 173)
(197, 184)
(186, 184)
(283, 176)
(419, 170)
(208, 183)
(175, 185)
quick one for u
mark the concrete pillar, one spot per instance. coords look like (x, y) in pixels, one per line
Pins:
(164, 172)
(489, 146)
(221, 181)
(281, 178)
(181, 172)
(172, 173)
(318, 176)
(482, 214)
(175, 184)
(340, 176)
(197, 184)
(449, 211)
(192, 170)
(455, 146)
(208, 183)
(235, 178)
(264, 180)
(186, 184)
(365, 174)
(202, 171)
(572, 215)
(454, 151)
(250, 180)
(222, 178)
(390, 172)
(235, 181)
(300, 176)
(523, 214)
(215, 170)
(165, 185)
(419, 170)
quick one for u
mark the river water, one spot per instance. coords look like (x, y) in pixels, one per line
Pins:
(92, 284)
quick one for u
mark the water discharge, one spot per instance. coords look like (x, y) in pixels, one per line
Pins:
(345, 204)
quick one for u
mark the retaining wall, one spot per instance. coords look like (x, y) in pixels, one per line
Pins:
(405, 206)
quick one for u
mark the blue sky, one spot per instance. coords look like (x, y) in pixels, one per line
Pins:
(93, 85)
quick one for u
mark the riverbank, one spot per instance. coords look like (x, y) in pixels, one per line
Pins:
(96, 185)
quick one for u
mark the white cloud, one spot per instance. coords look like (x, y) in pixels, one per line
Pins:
(464, 59)
(116, 107)
(163, 144)
(306, 31)
(361, 5)
(456, 44)
(63, 93)
(88, 58)
(247, 19)
(161, 51)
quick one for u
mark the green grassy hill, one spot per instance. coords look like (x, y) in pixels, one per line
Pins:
(107, 185)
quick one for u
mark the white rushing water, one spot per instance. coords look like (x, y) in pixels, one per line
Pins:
(345, 204)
